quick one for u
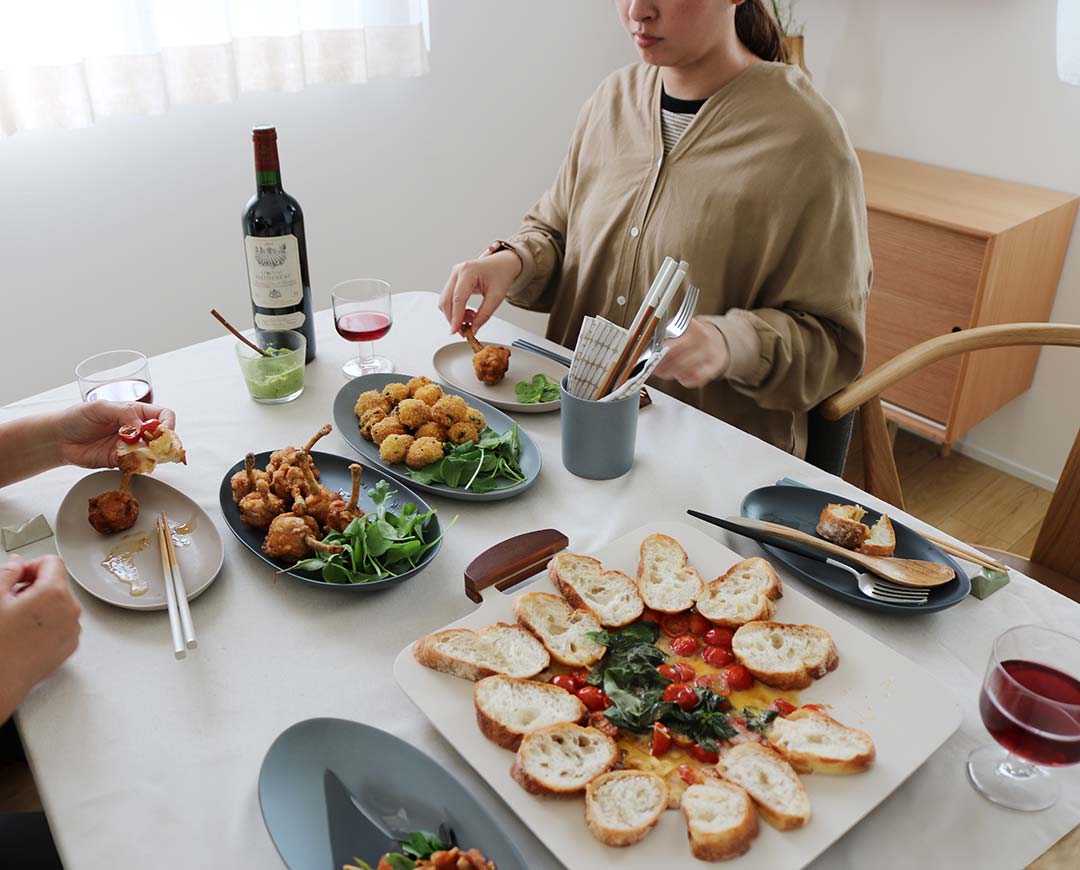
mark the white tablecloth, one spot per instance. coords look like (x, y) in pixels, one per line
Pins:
(143, 761)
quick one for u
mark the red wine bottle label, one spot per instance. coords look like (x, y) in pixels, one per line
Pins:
(274, 271)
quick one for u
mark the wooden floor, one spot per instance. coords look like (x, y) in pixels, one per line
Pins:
(976, 503)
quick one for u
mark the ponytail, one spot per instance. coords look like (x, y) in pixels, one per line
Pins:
(759, 31)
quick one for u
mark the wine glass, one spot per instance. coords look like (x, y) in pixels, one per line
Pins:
(116, 376)
(362, 314)
(1030, 704)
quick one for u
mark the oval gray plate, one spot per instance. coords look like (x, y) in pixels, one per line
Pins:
(386, 772)
(453, 362)
(349, 428)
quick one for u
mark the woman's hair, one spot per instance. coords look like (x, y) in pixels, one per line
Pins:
(759, 31)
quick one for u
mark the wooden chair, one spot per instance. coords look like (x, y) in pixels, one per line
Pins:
(1055, 559)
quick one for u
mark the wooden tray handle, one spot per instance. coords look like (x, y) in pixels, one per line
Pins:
(513, 560)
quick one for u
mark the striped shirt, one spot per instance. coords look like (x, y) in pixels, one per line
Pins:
(675, 117)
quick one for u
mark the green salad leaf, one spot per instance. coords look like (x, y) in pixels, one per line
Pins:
(484, 466)
(419, 846)
(540, 389)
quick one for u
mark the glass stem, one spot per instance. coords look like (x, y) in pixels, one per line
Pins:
(1016, 768)
(365, 350)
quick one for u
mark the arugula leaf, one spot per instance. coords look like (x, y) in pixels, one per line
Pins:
(421, 844)
(540, 388)
(488, 465)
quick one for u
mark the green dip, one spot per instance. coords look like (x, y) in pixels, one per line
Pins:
(274, 377)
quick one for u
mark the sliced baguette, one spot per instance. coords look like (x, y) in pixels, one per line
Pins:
(497, 649)
(840, 523)
(508, 708)
(622, 806)
(745, 593)
(814, 742)
(770, 781)
(610, 595)
(561, 760)
(882, 539)
(785, 656)
(664, 580)
(720, 820)
(563, 630)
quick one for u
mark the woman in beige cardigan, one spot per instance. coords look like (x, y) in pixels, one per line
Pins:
(716, 152)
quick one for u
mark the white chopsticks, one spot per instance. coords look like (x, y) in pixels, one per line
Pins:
(180, 624)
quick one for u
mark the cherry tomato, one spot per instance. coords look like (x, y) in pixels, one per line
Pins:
(564, 681)
(661, 739)
(782, 707)
(699, 624)
(738, 678)
(685, 645)
(714, 683)
(671, 672)
(593, 698)
(129, 434)
(150, 425)
(705, 756)
(601, 723)
(689, 774)
(717, 656)
(682, 740)
(681, 694)
(675, 624)
(686, 672)
(650, 615)
(581, 677)
(717, 636)
(820, 708)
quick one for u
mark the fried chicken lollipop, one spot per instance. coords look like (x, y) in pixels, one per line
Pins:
(243, 482)
(115, 510)
(342, 513)
(288, 455)
(289, 534)
(258, 508)
(490, 361)
(319, 498)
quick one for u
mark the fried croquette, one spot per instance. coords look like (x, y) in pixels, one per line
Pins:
(369, 400)
(449, 410)
(370, 418)
(476, 418)
(432, 430)
(388, 426)
(394, 448)
(395, 392)
(423, 452)
(416, 383)
(413, 413)
(429, 394)
(461, 432)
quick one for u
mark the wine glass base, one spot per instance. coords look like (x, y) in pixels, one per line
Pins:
(355, 368)
(1009, 781)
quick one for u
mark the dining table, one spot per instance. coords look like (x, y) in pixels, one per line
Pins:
(142, 760)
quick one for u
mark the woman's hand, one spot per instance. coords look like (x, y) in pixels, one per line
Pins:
(39, 625)
(86, 433)
(490, 277)
(699, 356)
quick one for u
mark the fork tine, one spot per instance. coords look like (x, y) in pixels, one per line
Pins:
(897, 589)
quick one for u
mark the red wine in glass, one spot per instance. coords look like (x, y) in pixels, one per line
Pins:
(130, 390)
(363, 325)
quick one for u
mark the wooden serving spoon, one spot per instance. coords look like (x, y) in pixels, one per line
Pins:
(906, 572)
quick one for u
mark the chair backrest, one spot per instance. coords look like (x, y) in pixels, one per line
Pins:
(1058, 544)
(827, 441)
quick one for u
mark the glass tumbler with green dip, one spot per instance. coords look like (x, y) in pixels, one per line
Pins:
(278, 377)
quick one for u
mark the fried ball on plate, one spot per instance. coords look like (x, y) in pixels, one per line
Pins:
(370, 418)
(423, 452)
(449, 410)
(476, 418)
(459, 433)
(369, 400)
(416, 383)
(413, 413)
(394, 448)
(429, 394)
(433, 430)
(387, 426)
(395, 392)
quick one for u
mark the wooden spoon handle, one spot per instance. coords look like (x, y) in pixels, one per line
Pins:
(237, 333)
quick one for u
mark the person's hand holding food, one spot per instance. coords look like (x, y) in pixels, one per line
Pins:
(490, 277)
(87, 434)
(696, 358)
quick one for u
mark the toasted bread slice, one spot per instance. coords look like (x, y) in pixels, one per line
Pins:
(840, 523)
(497, 649)
(142, 457)
(508, 708)
(814, 742)
(720, 820)
(561, 760)
(610, 595)
(770, 781)
(563, 630)
(882, 539)
(785, 656)
(664, 580)
(745, 593)
(622, 806)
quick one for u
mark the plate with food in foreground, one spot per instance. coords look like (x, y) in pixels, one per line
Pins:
(124, 567)
(328, 787)
(530, 385)
(328, 521)
(436, 438)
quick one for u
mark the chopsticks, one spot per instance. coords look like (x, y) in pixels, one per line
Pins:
(968, 554)
(180, 624)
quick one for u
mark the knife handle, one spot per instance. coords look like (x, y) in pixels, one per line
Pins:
(509, 562)
(761, 533)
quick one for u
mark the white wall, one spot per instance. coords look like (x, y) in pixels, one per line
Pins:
(969, 84)
(398, 179)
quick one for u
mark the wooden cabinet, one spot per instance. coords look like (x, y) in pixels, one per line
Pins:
(954, 250)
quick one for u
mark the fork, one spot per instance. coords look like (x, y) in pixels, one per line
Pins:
(676, 326)
(884, 590)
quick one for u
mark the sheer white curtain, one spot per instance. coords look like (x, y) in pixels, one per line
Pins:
(65, 63)
(1068, 41)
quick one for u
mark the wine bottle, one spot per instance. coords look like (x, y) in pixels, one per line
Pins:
(276, 251)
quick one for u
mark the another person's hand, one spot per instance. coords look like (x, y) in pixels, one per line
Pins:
(490, 277)
(39, 625)
(699, 356)
(86, 433)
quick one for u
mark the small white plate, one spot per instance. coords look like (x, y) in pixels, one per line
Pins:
(135, 553)
(453, 362)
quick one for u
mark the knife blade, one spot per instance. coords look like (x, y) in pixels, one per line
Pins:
(735, 524)
(352, 833)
